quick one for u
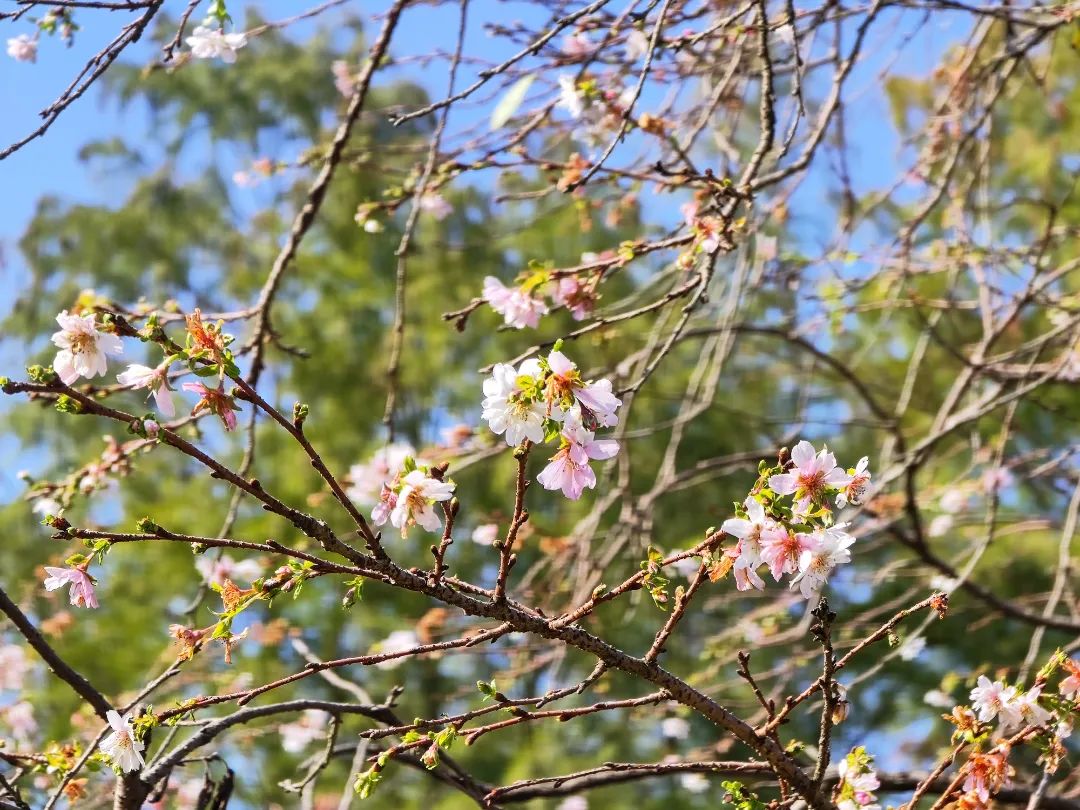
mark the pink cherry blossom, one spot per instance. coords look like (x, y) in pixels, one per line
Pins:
(823, 551)
(811, 476)
(432, 202)
(518, 308)
(343, 78)
(569, 469)
(81, 593)
(783, 550)
(214, 400)
(577, 296)
(415, 503)
(596, 397)
(1070, 685)
(507, 410)
(13, 666)
(747, 553)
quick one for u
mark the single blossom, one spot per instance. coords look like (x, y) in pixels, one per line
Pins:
(416, 502)
(307, 728)
(22, 48)
(747, 552)
(570, 98)
(1070, 685)
(83, 348)
(822, 552)
(217, 571)
(595, 397)
(121, 746)
(518, 308)
(506, 407)
(213, 43)
(1026, 712)
(366, 480)
(636, 45)
(47, 506)
(940, 525)
(912, 648)
(344, 80)
(156, 379)
(852, 493)
(783, 551)
(485, 534)
(810, 477)
(20, 722)
(578, 46)
(577, 296)
(987, 773)
(13, 666)
(675, 728)
(431, 202)
(569, 468)
(81, 593)
(214, 400)
(992, 699)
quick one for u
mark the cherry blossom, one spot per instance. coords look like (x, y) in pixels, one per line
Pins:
(415, 503)
(990, 699)
(636, 45)
(853, 492)
(782, 552)
(693, 782)
(912, 648)
(811, 476)
(121, 746)
(83, 348)
(940, 525)
(1025, 711)
(22, 48)
(857, 786)
(569, 468)
(47, 506)
(485, 534)
(573, 803)
(308, 727)
(570, 98)
(19, 719)
(576, 295)
(397, 642)
(216, 571)
(595, 397)
(431, 202)
(747, 552)
(822, 552)
(366, 480)
(156, 379)
(518, 308)
(507, 408)
(987, 773)
(1070, 685)
(343, 78)
(954, 500)
(997, 479)
(675, 728)
(81, 593)
(214, 400)
(578, 45)
(13, 666)
(213, 43)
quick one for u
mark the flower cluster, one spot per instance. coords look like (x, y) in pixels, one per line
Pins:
(547, 399)
(85, 344)
(858, 781)
(599, 112)
(1012, 708)
(800, 539)
(409, 498)
(523, 304)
